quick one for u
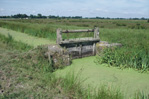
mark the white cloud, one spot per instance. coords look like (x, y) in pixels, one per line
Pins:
(84, 9)
(98, 9)
(142, 1)
(101, 10)
(33, 11)
(70, 10)
(1, 9)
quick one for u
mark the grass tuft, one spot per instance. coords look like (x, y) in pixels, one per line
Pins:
(14, 44)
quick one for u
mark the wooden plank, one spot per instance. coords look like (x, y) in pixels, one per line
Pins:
(77, 31)
(81, 40)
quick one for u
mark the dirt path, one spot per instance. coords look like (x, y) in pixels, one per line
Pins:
(25, 38)
(128, 80)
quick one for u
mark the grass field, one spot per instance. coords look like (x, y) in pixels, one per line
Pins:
(134, 54)
(133, 34)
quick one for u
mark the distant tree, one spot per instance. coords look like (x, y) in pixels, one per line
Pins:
(77, 17)
(39, 15)
(53, 17)
(31, 16)
(24, 16)
(44, 17)
(135, 18)
(107, 18)
(19, 16)
(142, 18)
(148, 21)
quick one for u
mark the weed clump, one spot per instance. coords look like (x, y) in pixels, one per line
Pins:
(134, 58)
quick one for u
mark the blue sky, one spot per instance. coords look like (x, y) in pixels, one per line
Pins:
(85, 8)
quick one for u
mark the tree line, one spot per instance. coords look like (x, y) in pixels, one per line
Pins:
(40, 16)
(24, 16)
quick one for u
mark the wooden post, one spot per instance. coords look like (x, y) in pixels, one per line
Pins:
(59, 36)
(96, 32)
(50, 59)
(94, 49)
(80, 51)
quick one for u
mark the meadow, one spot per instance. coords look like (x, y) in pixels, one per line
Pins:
(25, 73)
(132, 34)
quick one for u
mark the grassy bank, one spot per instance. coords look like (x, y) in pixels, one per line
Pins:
(12, 44)
(135, 50)
(25, 73)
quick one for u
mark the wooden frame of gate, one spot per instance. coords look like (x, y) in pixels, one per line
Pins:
(78, 43)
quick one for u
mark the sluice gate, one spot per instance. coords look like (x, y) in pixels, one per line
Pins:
(79, 47)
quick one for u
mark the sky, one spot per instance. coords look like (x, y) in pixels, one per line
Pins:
(85, 8)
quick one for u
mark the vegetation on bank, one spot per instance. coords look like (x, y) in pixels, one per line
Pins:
(133, 34)
(27, 74)
(12, 44)
(133, 54)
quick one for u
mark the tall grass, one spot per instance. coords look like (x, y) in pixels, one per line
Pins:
(47, 28)
(44, 31)
(14, 44)
(141, 95)
(133, 34)
(125, 57)
(135, 50)
(72, 85)
(36, 29)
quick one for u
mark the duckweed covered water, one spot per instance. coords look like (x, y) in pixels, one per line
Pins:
(129, 81)
(25, 38)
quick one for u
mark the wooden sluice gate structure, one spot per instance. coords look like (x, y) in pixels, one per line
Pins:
(62, 53)
(79, 47)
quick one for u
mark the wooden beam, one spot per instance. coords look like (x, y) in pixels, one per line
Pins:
(80, 40)
(77, 31)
